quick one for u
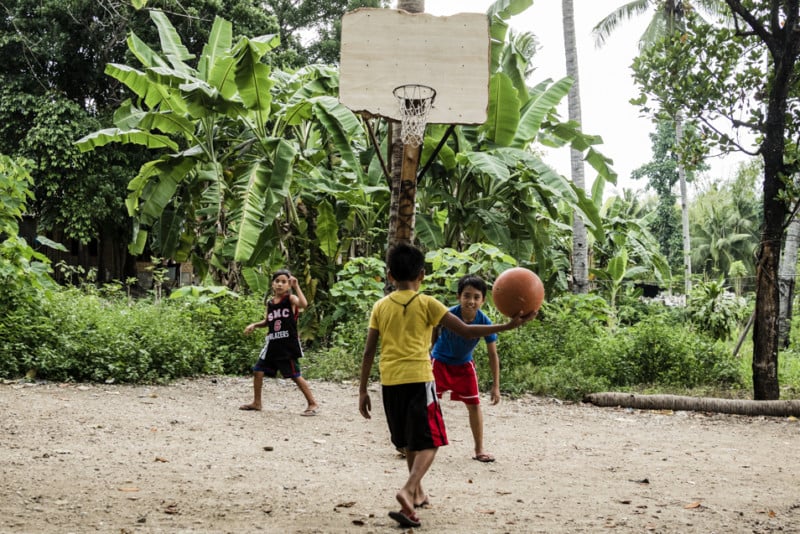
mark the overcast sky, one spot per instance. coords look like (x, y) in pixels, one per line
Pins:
(605, 78)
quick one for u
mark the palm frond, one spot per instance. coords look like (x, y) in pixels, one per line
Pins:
(610, 22)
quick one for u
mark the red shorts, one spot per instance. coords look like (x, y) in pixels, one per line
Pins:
(460, 380)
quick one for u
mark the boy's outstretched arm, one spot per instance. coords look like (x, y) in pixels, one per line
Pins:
(494, 366)
(470, 331)
(364, 402)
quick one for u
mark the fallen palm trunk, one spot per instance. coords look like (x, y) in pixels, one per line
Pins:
(697, 404)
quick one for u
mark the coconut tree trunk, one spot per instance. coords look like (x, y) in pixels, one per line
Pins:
(788, 270)
(697, 404)
(687, 251)
(404, 161)
(580, 254)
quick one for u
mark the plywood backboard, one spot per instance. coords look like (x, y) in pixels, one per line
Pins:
(385, 48)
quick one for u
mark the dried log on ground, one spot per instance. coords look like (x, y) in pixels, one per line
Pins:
(781, 408)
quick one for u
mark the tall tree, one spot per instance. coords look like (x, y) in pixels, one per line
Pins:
(54, 90)
(580, 248)
(662, 175)
(710, 71)
(724, 230)
(669, 17)
(310, 30)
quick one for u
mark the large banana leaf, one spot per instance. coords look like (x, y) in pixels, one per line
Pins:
(153, 94)
(116, 135)
(162, 179)
(219, 42)
(570, 133)
(515, 63)
(171, 44)
(498, 29)
(486, 163)
(169, 123)
(602, 164)
(251, 75)
(327, 229)
(146, 55)
(537, 109)
(170, 77)
(341, 124)
(170, 226)
(503, 116)
(203, 101)
(262, 195)
(505, 9)
(428, 231)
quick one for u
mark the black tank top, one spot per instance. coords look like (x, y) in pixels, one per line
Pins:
(284, 342)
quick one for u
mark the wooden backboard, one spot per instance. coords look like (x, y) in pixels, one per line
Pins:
(385, 48)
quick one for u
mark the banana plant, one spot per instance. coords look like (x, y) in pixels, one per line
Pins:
(221, 179)
(628, 251)
(489, 184)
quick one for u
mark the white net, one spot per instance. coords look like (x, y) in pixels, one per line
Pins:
(415, 105)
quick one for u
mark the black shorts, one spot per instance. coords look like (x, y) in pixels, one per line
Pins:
(414, 416)
(287, 368)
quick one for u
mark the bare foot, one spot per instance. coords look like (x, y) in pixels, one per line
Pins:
(250, 407)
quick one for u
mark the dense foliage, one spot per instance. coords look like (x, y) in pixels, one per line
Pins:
(86, 334)
(250, 162)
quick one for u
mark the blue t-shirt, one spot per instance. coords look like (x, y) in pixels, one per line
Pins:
(452, 349)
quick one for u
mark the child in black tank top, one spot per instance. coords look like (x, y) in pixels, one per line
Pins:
(282, 344)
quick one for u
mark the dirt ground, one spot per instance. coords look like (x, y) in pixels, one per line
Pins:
(183, 458)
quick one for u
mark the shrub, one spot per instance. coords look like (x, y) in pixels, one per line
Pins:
(342, 359)
(91, 338)
(657, 352)
(715, 310)
(230, 351)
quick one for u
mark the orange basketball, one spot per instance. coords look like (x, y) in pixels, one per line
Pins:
(517, 290)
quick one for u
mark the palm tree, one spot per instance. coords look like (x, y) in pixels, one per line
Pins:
(721, 236)
(580, 255)
(669, 17)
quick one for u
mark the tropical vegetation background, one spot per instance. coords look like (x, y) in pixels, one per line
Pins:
(209, 134)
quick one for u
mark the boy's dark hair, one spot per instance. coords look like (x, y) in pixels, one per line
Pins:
(405, 262)
(471, 280)
(279, 272)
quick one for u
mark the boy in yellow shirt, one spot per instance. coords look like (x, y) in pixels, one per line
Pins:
(404, 321)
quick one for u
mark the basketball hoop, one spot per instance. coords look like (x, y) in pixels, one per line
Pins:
(415, 105)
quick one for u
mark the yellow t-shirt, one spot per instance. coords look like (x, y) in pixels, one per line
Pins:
(405, 328)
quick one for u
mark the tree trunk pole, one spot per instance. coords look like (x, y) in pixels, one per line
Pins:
(404, 161)
(687, 244)
(580, 248)
(788, 270)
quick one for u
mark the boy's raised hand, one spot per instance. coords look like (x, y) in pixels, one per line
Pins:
(519, 319)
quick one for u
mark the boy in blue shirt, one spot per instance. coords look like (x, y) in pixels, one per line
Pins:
(453, 364)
